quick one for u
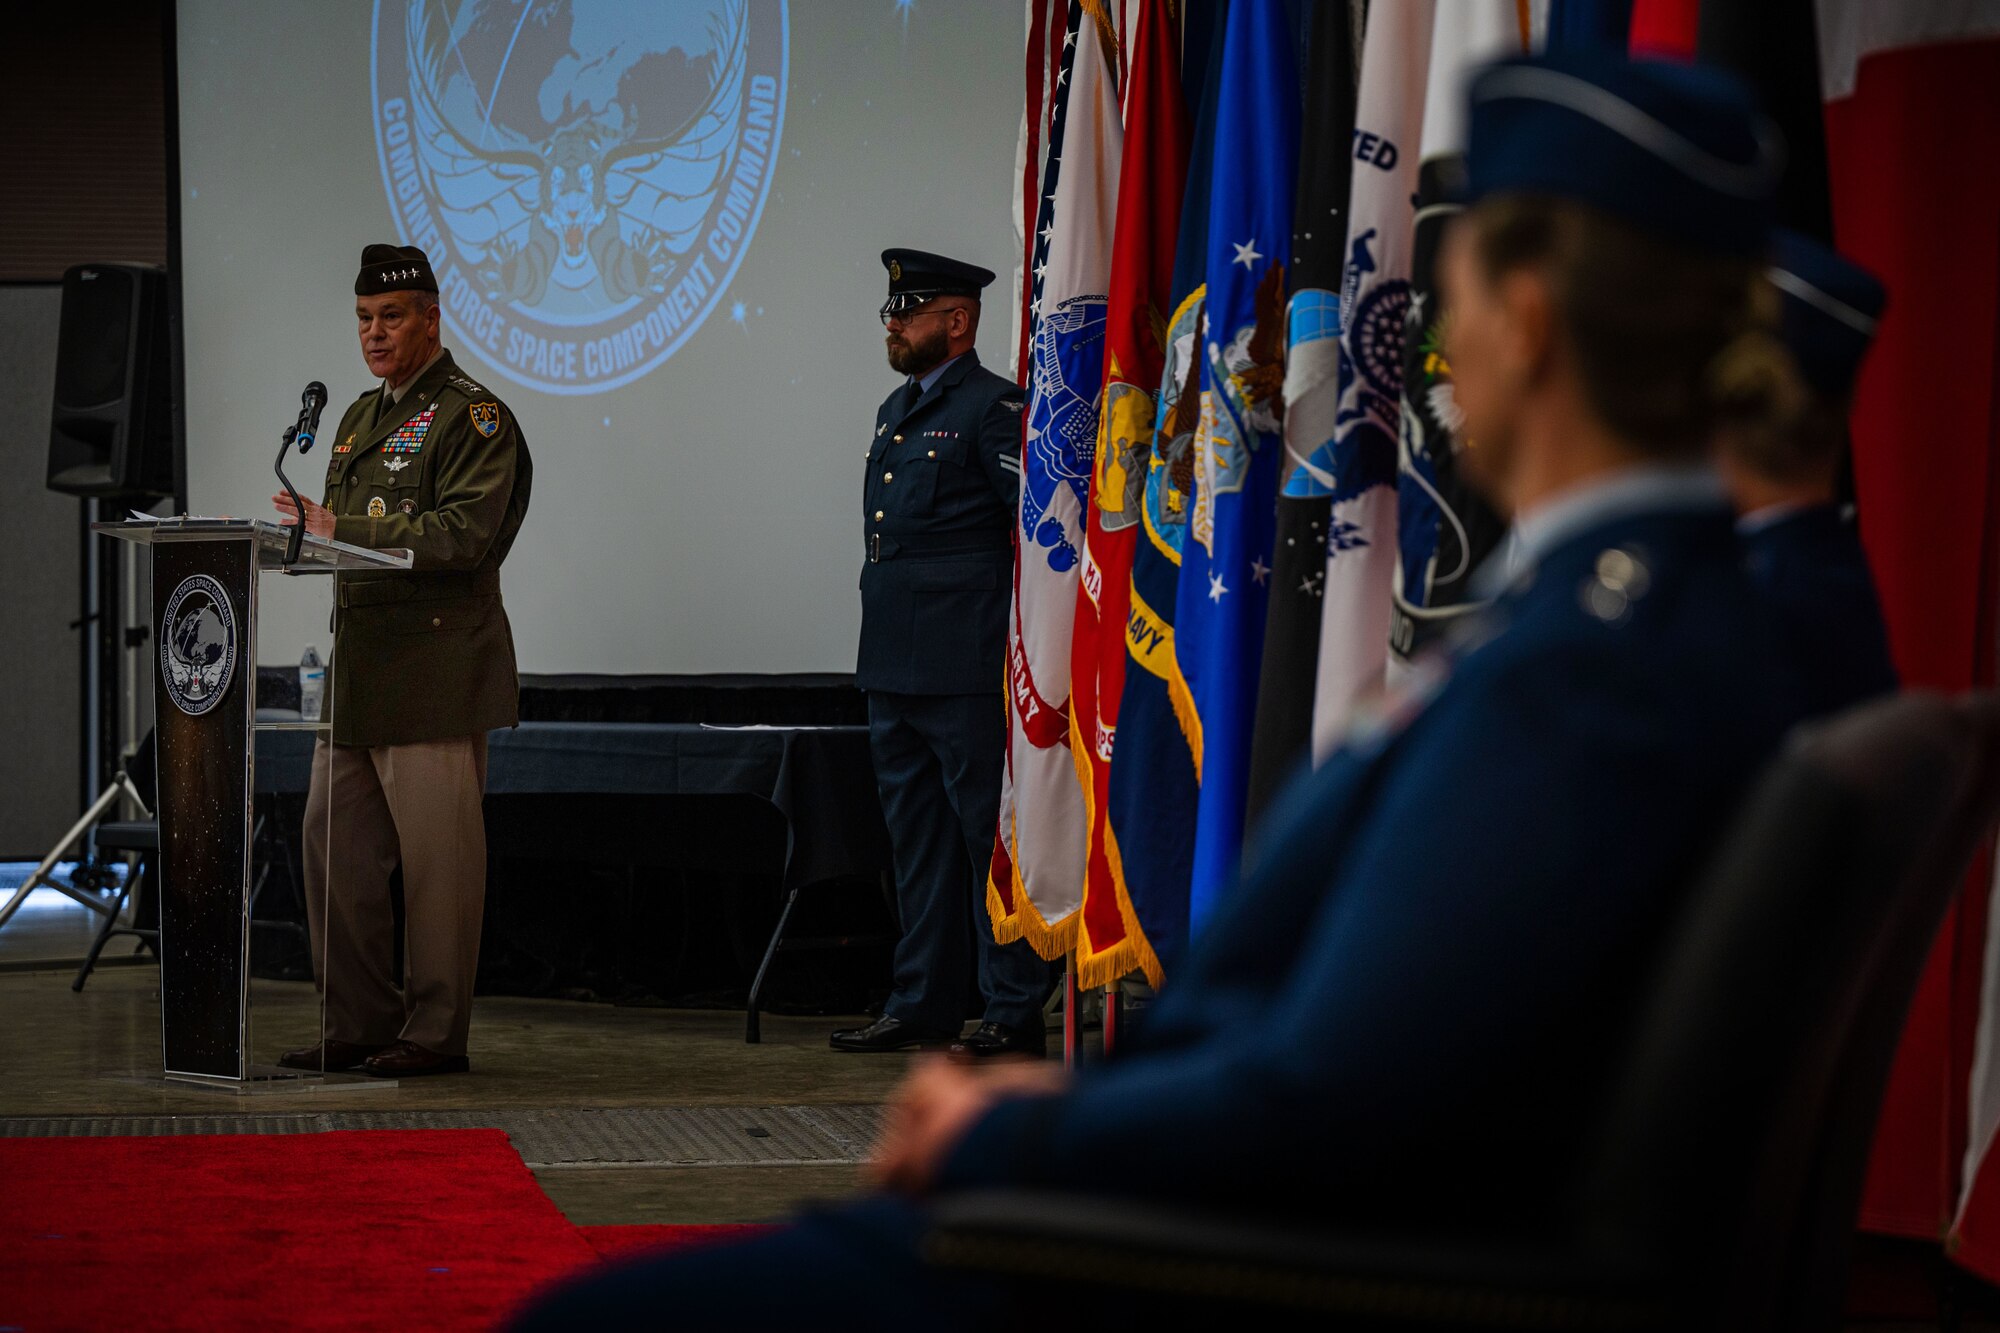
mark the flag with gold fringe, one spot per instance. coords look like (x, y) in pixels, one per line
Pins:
(1224, 586)
(1150, 800)
(1035, 884)
(1142, 271)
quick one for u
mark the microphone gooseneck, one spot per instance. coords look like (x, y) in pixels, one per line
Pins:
(303, 431)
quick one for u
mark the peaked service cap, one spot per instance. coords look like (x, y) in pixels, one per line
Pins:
(917, 276)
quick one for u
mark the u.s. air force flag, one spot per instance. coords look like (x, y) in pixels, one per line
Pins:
(1036, 884)
(1226, 561)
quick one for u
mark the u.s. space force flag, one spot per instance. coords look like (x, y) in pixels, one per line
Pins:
(1445, 530)
(1142, 272)
(1375, 297)
(1036, 882)
(1226, 562)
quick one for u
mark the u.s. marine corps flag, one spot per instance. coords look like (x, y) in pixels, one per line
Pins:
(1142, 274)
(1226, 560)
(1035, 886)
(1150, 802)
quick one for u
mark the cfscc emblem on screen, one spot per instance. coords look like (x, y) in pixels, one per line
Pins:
(585, 175)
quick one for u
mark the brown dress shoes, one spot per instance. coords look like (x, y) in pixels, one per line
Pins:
(329, 1055)
(406, 1059)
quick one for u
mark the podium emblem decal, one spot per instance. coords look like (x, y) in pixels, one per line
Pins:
(197, 645)
(586, 178)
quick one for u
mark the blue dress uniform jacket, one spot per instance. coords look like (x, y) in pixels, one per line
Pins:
(1810, 567)
(1441, 930)
(940, 499)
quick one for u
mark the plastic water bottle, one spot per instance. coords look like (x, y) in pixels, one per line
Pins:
(312, 684)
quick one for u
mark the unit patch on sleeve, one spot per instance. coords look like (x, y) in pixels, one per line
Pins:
(485, 418)
(408, 438)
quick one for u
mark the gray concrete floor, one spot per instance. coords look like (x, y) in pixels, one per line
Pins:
(65, 1054)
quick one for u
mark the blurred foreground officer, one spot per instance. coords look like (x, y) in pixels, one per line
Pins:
(942, 490)
(1408, 1006)
(423, 668)
(1802, 550)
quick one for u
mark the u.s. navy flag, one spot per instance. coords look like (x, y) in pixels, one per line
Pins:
(1226, 559)
(1036, 885)
(1312, 359)
(1444, 529)
(1375, 298)
(1142, 274)
(1151, 799)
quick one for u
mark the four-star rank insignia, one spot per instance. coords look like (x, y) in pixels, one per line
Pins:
(485, 418)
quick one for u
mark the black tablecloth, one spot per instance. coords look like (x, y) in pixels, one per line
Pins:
(820, 779)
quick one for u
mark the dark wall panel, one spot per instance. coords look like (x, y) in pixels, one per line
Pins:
(83, 140)
(40, 710)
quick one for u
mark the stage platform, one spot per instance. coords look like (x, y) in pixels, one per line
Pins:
(624, 1115)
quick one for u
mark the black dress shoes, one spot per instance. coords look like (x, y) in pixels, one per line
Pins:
(330, 1055)
(991, 1039)
(887, 1034)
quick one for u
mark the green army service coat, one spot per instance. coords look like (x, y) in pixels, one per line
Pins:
(426, 653)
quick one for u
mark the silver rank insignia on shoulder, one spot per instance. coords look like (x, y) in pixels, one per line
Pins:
(881, 430)
(1619, 580)
(397, 464)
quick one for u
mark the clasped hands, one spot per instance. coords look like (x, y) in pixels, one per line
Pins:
(938, 1103)
(319, 519)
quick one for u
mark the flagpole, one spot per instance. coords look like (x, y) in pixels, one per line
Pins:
(1114, 1013)
(1072, 998)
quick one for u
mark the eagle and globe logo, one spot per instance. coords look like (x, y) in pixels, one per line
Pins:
(585, 175)
(197, 645)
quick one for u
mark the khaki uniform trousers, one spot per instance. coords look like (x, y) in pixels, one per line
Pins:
(420, 805)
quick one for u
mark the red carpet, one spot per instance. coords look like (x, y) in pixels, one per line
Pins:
(629, 1241)
(427, 1229)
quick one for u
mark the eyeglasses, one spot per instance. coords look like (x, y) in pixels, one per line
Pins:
(909, 317)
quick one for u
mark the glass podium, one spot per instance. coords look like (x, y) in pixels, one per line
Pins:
(204, 592)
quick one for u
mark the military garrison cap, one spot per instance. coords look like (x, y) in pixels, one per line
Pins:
(1828, 313)
(917, 276)
(1678, 151)
(394, 268)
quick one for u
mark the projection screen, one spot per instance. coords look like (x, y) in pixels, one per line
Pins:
(657, 225)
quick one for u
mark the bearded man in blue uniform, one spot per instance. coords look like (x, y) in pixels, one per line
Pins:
(1799, 542)
(942, 489)
(1408, 1004)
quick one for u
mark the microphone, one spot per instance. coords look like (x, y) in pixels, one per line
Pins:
(314, 401)
(301, 432)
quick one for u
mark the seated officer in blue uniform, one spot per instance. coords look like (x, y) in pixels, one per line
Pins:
(1408, 1002)
(1800, 545)
(939, 500)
